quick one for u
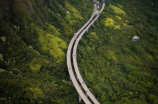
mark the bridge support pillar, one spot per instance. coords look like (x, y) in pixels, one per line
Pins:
(80, 99)
(87, 30)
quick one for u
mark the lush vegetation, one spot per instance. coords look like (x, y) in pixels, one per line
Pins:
(34, 35)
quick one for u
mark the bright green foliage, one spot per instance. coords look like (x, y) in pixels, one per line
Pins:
(118, 17)
(52, 44)
(111, 22)
(70, 20)
(120, 6)
(94, 36)
(36, 64)
(72, 10)
(117, 9)
(35, 67)
(37, 91)
(53, 30)
(72, 14)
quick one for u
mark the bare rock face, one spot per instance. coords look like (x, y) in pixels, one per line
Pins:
(135, 38)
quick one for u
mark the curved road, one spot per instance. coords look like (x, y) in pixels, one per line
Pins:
(88, 92)
(69, 65)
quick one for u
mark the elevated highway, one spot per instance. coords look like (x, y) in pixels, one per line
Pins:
(88, 92)
(77, 37)
(69, 65)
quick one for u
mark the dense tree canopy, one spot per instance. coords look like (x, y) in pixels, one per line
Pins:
(34, 35)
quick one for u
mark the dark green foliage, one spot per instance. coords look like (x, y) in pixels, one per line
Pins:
(20, 46)
(127, 67)
(153, 99)
(3, 64)
(138, 49)
(116, 69)
(125, 50)
(124, 67)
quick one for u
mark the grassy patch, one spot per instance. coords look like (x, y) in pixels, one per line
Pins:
(53, 45)
(118, 17)
(35, 67)
(94, 36)
(37, 92)
(36, 64)
(74, 12)
(120, 6)
(70, 20)
(53, 30)
(117, 9)
(110, 22)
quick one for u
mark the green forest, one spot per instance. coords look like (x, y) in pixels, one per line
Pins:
(34, 37)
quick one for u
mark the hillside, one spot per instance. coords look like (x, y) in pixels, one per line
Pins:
(34, 35)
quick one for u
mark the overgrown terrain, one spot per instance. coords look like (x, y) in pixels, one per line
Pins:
(34, 35)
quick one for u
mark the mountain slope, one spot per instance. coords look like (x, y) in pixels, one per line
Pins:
(34, 35)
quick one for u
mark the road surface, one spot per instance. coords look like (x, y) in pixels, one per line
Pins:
(69, 64)
(90, 95)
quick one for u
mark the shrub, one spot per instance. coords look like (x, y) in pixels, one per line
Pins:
(138, 49)
(125, 50)
(127, 67)
(153, 99)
